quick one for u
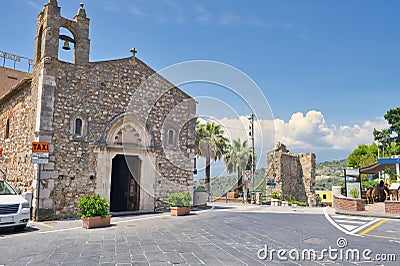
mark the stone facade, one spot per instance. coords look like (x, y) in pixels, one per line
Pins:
(16, 135)
(293, 174)
(90, 112)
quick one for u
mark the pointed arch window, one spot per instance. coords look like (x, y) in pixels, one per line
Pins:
(39, 45)
(66, 49)
(78, 127)
(7, 129)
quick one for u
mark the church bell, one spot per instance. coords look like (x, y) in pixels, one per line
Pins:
(66, 46)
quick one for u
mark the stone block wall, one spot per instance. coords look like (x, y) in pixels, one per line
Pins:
(17, 107)
(294, 174)
(97, 94)
(308, 162)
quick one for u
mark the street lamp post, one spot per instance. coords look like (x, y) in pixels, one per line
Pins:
(251, 118)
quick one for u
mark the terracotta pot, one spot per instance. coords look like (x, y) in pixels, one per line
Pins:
(95, 222)
(180, 211)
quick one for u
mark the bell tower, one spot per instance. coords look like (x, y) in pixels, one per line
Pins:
(48, 36)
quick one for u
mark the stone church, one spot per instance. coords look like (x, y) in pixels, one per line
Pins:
(115, 127)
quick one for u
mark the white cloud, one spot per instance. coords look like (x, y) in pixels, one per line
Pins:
(202, 14)
(304, 133)
(179, 11)
(231, 19)
(112, 8)
(137, 11)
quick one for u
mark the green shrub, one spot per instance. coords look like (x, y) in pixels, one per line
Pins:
(291, 199)
(92, 206)
(300, 203)
(179, 199)
(355, 193)
(200, 189)
(276, 195)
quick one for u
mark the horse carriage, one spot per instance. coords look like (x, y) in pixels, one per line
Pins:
(383, 193)
(394, 190)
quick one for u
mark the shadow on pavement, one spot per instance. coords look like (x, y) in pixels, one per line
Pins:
(12, 231)
(223, 208)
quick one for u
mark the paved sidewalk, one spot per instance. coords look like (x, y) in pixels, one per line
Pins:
(225, 234)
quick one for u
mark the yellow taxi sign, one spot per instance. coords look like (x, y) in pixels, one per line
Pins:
(40, 147)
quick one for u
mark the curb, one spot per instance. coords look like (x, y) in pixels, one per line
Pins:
(376, 215)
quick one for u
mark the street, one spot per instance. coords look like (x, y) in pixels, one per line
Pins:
(223, 235)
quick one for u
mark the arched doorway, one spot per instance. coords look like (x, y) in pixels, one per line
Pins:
(125, 183)
(126, 172)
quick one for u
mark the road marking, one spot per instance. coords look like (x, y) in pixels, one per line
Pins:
(384, 237)
(349, 222)
(373, 227)
(351, 217)
(348, 227)
(43, 224)
(366, 225)
(336, 225)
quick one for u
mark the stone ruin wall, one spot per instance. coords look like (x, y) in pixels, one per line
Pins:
(294, 174)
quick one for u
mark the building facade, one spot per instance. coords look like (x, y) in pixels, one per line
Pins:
(116, 127)
(291, 174)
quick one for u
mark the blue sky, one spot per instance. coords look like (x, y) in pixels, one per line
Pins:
(329, 69)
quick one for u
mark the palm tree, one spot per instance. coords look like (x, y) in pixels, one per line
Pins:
(210, 144)
(237, 159)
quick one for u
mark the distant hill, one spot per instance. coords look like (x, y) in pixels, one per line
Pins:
(331, 173)
(331, 168)
(222, 184)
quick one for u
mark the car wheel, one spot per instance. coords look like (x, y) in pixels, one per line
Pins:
(20, 227)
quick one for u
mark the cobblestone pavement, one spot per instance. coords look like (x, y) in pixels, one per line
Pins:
(223, 236)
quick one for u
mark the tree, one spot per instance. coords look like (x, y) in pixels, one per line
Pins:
(390, 138)
(383, 137)
(237, 158)
(210, 144)
(393, 118)
(363, 155)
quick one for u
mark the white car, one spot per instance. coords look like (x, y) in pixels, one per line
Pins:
(14, 210)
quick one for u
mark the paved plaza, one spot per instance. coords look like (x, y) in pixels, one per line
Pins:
(222, 235)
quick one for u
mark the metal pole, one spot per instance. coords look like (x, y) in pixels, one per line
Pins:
(252, 157)
(37, 193)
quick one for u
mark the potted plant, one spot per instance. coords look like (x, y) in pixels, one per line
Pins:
(179, 203)
(94, 211)
(276, 198)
